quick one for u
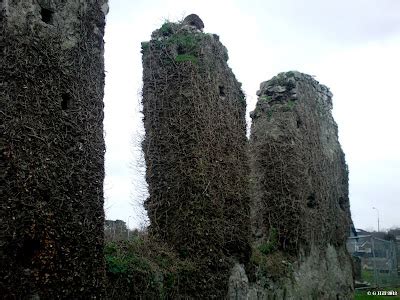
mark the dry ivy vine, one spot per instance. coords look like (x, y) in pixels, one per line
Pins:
(195, 152)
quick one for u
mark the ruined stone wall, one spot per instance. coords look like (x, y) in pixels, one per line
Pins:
(52, 149)
(195, 152)
(299, 170)
(300, 205)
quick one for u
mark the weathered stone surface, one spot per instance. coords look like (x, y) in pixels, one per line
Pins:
(357, 267)
(238, 283)
(300, 206)
(322, 274)
(52, 149)
(294, 134)
(194, 20)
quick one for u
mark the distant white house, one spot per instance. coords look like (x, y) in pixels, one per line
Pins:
(359, 242)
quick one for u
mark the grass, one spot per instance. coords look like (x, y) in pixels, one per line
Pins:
(385, 279)
(269, 115)
(367, 275)
(187, 45)
(186, 57)
(290, 104)
(145, 45)
(187, 42)
(271, 244)
(265, 98)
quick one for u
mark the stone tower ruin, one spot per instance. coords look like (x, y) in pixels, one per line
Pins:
(195, 152)
(52, 149)
(300, 206)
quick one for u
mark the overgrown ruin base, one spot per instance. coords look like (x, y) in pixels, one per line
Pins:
(321, 274)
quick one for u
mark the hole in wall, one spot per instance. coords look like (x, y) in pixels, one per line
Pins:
(311, 201)
(221, 90)
(30, 248)
(342, 203)
(66, 100)
(181, 50)
(47, 15)
(299, 123)
(45, 195)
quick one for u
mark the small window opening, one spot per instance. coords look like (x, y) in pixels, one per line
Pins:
(222, 91)
(311, 201)
(45, 195)
(66, 101)
(181, 50)
(47, 15)
(299, 123)
(342, 203)
(30, 248)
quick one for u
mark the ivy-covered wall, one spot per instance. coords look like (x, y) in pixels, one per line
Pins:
(52, 149)
(195, 152)
(300, 209)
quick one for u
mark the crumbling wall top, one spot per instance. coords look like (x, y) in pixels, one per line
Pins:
(53, 18)
(191, 24)
(194, 20)
(284, 87)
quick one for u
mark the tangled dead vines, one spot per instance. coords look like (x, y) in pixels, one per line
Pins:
(52, 78)
(299, 174)
(195, 152)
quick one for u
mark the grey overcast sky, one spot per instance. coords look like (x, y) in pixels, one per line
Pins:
(352, 46)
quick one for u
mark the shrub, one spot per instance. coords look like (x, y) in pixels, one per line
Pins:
(145, 46)
(185, 43)
(271, 244)
(166, 29)
(144, 267)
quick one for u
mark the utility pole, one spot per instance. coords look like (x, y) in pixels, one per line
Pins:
(378, 216)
